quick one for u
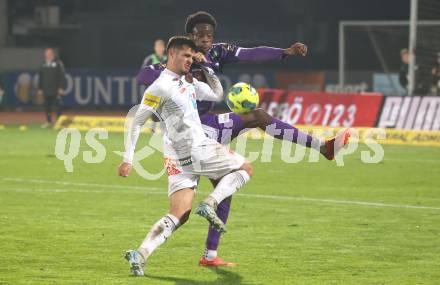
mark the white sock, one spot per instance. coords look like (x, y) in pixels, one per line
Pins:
(158, 234)
(229, 184)
(210, 254)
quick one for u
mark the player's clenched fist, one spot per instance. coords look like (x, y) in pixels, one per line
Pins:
(124, 169)
(199, 57)
(296, 49)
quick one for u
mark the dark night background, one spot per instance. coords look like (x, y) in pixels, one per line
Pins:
(109, 34)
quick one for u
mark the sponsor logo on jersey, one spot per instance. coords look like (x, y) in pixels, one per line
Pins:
(151, 100)
(185, 161)
(171, 166)
(180, 82)
(223, 118)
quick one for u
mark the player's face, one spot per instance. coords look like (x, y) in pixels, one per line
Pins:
(49, 54)
(182, 59)
(203, 36)
(405, 58)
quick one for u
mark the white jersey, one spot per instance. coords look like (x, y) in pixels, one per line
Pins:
(173, 100)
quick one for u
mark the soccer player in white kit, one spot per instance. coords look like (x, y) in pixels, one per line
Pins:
(189, 153)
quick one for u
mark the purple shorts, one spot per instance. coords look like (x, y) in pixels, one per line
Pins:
(222, 127)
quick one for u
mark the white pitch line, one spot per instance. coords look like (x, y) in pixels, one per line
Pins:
(58, 190)
(39, 181)
(249, 195)
(333, 201)
(434, 161)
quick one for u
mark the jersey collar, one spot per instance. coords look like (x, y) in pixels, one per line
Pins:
(171, 73)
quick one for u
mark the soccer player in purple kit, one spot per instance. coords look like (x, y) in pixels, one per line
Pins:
(224, 128)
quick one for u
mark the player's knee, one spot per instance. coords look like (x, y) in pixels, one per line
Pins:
(248, 168)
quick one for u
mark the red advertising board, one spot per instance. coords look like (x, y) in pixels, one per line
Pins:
(323, 109)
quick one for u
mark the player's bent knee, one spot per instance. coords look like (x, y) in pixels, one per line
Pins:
(248, 168)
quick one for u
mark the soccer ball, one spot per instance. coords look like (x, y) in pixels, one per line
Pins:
(242, 98)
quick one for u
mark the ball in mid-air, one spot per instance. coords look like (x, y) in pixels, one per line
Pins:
(242, 98)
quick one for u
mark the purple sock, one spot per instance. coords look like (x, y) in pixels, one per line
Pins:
(278, 129)
(222, 212)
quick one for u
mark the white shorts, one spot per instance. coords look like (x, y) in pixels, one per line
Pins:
(212, 161)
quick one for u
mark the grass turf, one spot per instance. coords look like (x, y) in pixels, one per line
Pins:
(302, 223)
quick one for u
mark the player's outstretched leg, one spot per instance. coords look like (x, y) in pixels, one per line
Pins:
(157, 235)
(280, 130)
(180, 208)
(284, 131)
(210, 258)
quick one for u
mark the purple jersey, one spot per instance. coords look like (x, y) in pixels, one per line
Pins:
(217, 56)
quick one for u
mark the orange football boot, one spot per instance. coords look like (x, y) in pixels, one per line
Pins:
(215, 262)
(332, 146)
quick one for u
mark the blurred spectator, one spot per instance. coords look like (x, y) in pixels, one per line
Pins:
(436, 76)
(403, 73)
(158, 56)
(51, 84)
(2, 93)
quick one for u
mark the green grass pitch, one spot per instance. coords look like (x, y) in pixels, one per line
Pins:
(303, 223)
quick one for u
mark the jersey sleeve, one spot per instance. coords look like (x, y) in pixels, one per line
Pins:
(225, 53)
(259, 53)
(152, 100)
(210, 91)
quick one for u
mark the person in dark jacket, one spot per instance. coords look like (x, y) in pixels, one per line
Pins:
(436, 76)
(51, 84)
(2, 92)
(403, 72)
(158, 56)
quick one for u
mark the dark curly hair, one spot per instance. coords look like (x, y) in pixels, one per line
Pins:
(200, 17)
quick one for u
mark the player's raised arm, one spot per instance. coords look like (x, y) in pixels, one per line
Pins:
(231, 52)
(213, 91)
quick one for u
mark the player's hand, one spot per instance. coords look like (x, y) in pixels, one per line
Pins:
(61, 92)
(40, 92)
(199, 57)
(296, 49)
(124, 169)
